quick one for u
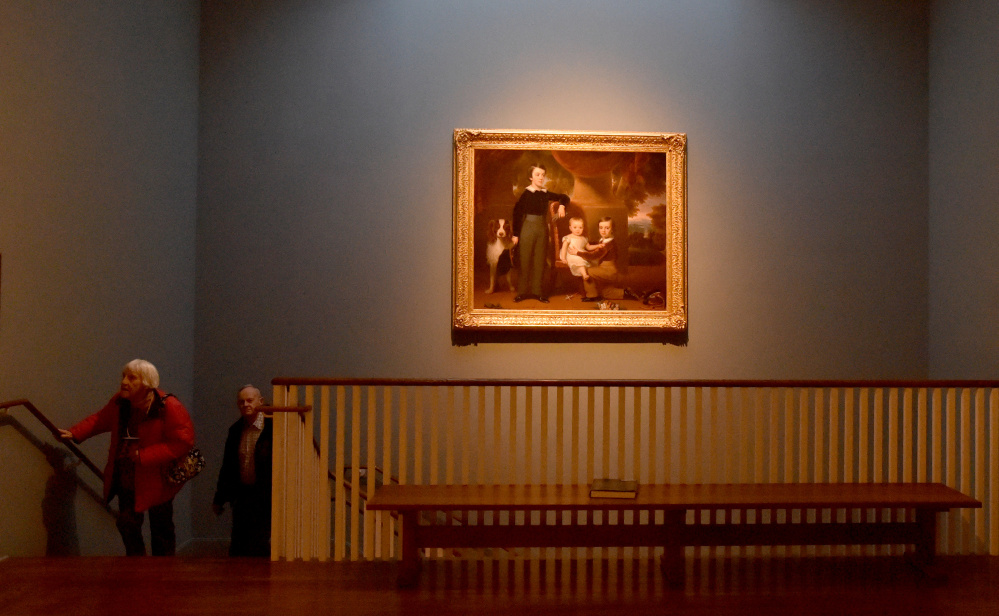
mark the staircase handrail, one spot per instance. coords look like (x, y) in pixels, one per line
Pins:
(55, 432)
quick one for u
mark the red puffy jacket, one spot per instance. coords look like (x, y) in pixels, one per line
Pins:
(165, 434)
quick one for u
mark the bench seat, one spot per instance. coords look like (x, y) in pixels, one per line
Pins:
(925, 500)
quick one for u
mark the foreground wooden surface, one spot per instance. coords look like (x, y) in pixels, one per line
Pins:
(182, 586)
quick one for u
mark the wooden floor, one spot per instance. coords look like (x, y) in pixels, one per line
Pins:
(188, 585)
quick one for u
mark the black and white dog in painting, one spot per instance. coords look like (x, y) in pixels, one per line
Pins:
(499, 234)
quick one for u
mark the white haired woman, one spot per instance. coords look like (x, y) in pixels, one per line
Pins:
(149, 430)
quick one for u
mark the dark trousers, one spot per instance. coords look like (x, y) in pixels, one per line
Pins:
(251, 522)
(161, 529)
(533, 245)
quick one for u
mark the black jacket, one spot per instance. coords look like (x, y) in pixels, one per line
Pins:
(229, 481)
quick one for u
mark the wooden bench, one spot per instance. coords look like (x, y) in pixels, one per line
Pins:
(924, 500)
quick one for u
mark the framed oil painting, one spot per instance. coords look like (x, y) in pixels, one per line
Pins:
(569, 232)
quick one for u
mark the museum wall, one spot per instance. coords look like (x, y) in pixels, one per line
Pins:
(325, 183)
(98, 138)
(964, 190)
(290, 214)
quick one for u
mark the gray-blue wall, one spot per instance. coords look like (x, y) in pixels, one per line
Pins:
(287, 210)
(98, 175)
(964, 189)
(324, 203)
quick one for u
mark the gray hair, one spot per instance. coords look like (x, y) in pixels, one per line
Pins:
(253, 387)
(145, 371)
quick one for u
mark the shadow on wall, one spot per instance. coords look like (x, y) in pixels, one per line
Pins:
(59, 502)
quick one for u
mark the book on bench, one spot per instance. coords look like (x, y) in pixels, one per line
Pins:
(613, 488)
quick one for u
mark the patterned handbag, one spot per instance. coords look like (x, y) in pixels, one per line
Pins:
(185, 467)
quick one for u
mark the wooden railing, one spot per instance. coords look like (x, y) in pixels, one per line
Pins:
(569, 432)
(51, 427)
(300, 499)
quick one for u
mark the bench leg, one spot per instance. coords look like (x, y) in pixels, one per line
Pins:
(673, 562)
(409, 568)
(926, 548)
(924, 556)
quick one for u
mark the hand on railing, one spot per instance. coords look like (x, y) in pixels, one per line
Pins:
(65, 436)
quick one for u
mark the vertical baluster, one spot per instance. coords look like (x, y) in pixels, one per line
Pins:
(622, 433)
(922, 426)
(964, 524)
(544, 416)
(683, 412)
(981, 445)
(908, 435)
(879, 430)
(801, 414)
(651, 471)
(835, 476)
(620, 408)
(951, 445)
(511, 434)
(385, 522)
(905, 455)
(776, 449)
(466, 435)
(668, 450)
(527, 475)
(497, 446)
(560, 477)
(434, 436)
(721, 444)
(481, 453)
(278, 484)
(306, 479)
(293, 469)
(404, 452)
(419, 453)
(893, 453)
(697, 464)
(322, 475)
(355, 474)
(449, 458)
(892, 417)
(450, 420)
(732, 432)
(937, 458)
(638, 447)
(754, 516)
(864, 440)
(340, 498)
(993, 502)
(578, 465)
(850, 452)
(747, 447)
(528, 433)
(370, 433)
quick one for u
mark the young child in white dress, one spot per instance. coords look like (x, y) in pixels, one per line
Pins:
(577, 264)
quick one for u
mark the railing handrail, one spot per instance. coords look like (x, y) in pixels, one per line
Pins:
(703, 383)
(55, 432)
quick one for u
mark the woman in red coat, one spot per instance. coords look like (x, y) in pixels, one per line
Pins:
(149, 430)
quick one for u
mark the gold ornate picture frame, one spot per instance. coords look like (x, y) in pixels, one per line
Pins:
(624, 189)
